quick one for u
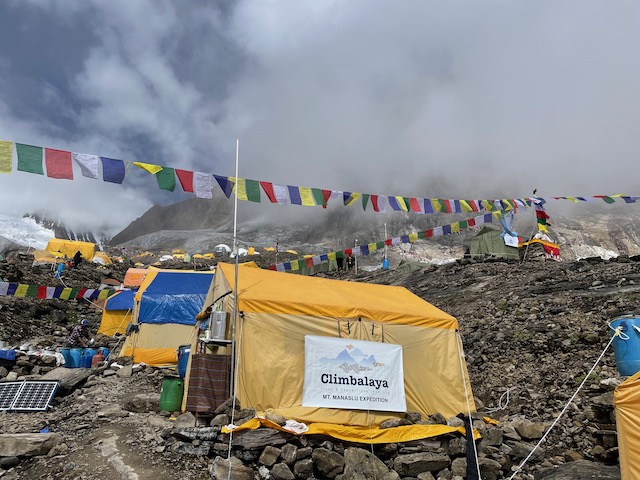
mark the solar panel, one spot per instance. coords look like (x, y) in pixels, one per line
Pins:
(27, 395)
(35, 395)
(8, 392)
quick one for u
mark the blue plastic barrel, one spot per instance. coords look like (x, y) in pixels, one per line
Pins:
(87, 356)
(183, 359)
(66, 354)
(385, 264)
(627, 344)
(76, 356)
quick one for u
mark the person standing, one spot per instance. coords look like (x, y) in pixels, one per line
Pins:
(77, 259)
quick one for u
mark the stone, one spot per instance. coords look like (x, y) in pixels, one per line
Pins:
(269, 455)
(437, 419)
(142, 402)
(220, 420)
(459, 466)
(581, 469)
(328, 463)
(260, 438)
(529, 430)
(11, 376)
(3, 372)
(275, 418)
(60, 449)
(303, 452)
(68, 378)
(28, 444)
(289, 454)
(426, 476)
(303, 469)
(9, 462)
(185, 420)
(413, 417)
(359, 464)
(394, 422)
(281, 471)
(232, 469)
(413, 463)
(125, 371)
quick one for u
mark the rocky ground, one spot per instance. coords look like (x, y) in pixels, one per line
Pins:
(531, 332)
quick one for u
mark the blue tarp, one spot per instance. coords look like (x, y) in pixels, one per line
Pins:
(174, 297)
(122, 300)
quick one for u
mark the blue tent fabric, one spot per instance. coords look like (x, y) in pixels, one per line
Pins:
(174, 297)
(122, 300)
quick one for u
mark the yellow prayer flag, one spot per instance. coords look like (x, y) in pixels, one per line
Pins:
(66, 292)
(542, 228)
(240, 188)
(465, 206)
(103, 294)
(435, 204)
(373, 247)
(149, 167)
(402, 203)
(331, 256)
(6, 156)
(455, 227)
(306, 196)
(413, 237)
(295, 265)
(21, 291)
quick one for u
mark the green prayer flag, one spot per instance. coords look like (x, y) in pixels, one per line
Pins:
(166, 179)
(253, 190)
(407, 202)
(29, 158)
(340, 254)
(318, 197)
(463, 224)
(421, 234)
(32, 291)
(379, 245)
(365, 200)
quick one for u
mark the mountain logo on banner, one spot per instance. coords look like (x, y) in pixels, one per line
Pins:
(352, 359)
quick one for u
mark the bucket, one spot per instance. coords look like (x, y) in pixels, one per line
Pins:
(183, 359)
(87, 356)
(385, 264)
(627, 344)
(76, 356)
(104, 351)
(218, 325)
(171, 394)
(66, 354)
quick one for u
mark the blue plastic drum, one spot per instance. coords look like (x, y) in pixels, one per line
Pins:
(627, 344)
(183, 359)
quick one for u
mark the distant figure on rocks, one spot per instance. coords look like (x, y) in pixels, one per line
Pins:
(80, 335)
(77, 259)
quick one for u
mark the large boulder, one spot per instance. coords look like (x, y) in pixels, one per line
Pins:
(28, 444)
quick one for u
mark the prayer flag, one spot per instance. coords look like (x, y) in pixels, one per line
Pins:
(413, 237)
(58, 164)
(185, 177)
(378, 202)
(267, 187)
(318, 196)
(415, 205)
(306, 197)
(6, 156)
(112, 170)
(88, 164)
(365, 200)
(428, 207)
(349, 197)
(29, 158)
(166, 179)
(225, 184)
(446, 229)
(605, 198)
(148, 167)
(294, 195)
(202, 185)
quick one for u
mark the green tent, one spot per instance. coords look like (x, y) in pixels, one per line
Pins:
(488, 243)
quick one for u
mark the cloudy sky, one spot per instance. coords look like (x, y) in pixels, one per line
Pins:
(485, 99)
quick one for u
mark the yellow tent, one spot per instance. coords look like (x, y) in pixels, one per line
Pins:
(41, 257)
(277, 310)
(626, 400)
(69, 248)
(104, 257)
(117, 313)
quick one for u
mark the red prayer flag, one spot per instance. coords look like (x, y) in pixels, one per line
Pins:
(471, 222)
(186, 179)
(374, 202)
(428, 233)
(387, 242)
(58, 164)
(268, 190)
(309, 262)
(348, 251)
(42, 292)
(415, 206)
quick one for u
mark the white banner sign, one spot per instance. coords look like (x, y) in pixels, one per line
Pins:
(353, 374)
